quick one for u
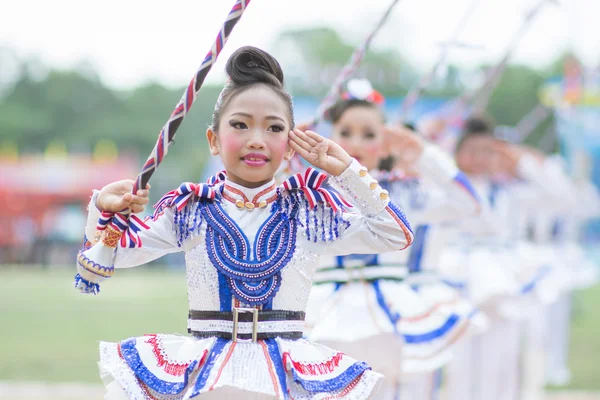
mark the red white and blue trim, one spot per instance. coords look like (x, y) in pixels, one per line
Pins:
(310, 184)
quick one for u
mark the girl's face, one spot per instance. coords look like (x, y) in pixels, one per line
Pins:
(476, 156)
(360, 131)
(252, 137)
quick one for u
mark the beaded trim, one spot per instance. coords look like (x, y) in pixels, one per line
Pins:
(129, 352)
(401, 220)
(171, 367)
(93, 267)
(320, 221)
(253, 280)
(216, 325)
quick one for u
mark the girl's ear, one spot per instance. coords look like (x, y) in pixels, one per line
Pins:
(289, 153)
(213, 141)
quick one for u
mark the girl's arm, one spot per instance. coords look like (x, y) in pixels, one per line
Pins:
(376, 224)
(147, 241)
(544, 181)
(449, 193)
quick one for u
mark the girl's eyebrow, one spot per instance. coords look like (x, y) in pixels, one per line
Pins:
(243, 114)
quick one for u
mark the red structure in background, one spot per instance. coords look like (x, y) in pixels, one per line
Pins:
(35, 192)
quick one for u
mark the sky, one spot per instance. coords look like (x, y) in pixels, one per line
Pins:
(130, 42)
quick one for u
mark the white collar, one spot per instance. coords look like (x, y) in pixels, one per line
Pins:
(250, 198)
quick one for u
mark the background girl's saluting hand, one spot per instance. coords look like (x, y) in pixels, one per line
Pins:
(403, 143)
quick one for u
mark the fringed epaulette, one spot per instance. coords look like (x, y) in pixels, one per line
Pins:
(319, 210)
(187, 202)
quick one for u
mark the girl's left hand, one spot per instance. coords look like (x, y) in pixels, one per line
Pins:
(322, 153)
(403, 144)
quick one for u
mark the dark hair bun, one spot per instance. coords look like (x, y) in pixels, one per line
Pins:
(249, 65)
(410, 125)
(477, 125)
(336, 111)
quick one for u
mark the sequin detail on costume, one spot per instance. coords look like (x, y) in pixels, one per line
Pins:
(253, 277)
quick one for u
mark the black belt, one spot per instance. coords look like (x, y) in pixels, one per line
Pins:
(368, 273)
(266, 324)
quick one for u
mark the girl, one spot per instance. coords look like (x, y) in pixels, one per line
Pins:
(488, 256)
(367, 305)
(251, 251)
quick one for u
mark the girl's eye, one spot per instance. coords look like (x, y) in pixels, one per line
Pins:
(276, 128)
(238, 125)
(369, 135)
(345, 134)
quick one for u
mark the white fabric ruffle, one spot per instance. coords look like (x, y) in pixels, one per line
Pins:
(180, 367)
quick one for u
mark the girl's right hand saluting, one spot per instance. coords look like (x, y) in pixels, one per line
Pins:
(117, 196)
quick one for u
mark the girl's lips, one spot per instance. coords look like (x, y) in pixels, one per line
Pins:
(254, 162)
(255, 159)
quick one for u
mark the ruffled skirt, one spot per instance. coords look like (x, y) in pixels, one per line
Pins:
(397, 328)
(180, 367)
(509, 283)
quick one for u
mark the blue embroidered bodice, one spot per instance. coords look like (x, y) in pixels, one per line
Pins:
(252, 275)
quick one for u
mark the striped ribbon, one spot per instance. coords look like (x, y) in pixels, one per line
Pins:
(181, 196)
(129, 225)
(310, 183)
(415, 92)
(349, 69)
(167, 134)
(484, 95)
(478, 98)
(531, 121)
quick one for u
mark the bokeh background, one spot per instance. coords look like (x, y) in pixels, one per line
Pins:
(85, 87)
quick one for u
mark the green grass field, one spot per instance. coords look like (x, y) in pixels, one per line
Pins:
(49, 332)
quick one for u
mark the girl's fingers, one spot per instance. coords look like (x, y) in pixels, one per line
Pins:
(140, 200)
(135, 208)
(314, 136)
(305, 137)
(300, 150)
(295, 138)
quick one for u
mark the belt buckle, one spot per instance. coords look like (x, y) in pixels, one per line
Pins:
(236, 313)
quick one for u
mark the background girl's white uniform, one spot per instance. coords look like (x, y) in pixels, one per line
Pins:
(404, 328)
(496, 280)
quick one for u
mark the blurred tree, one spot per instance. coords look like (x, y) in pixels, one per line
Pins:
(515, 95)
(313, 57)
(38, 106)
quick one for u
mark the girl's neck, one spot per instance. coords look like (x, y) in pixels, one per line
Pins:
(250, 189)
(247, 184)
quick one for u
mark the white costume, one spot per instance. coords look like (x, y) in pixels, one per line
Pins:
(563, 236)
(392, 309)
(490, 260)
(250, 256)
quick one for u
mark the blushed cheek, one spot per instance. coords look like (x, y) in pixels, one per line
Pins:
(344, 144)
(279, 146)
(373, 150)
(231, 143)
